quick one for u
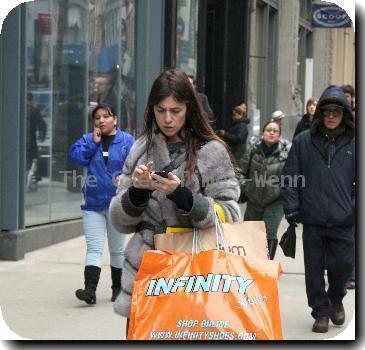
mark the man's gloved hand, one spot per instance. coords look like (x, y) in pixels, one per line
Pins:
(293, 218)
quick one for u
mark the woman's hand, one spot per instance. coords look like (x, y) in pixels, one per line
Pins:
(165, 185)
(142, 177)
(97, 135)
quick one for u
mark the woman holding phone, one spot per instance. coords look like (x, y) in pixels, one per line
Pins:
(103, 152)
(146, 203)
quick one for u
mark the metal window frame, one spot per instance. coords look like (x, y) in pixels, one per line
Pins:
(149, 50)
(13, 144)
(170, 33)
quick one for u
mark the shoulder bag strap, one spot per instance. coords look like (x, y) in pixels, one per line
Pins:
(180, 159)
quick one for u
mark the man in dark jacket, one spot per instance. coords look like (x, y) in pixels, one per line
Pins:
(203, 99)
(323, 159)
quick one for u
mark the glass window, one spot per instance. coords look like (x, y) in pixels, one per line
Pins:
(264, 59)
(187, 36)
(305, 46)
(306, 9)
(111, 58)
(77, 53)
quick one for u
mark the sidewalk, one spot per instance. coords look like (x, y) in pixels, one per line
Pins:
(38, 301)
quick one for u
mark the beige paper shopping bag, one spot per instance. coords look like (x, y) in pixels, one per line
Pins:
(247, 238)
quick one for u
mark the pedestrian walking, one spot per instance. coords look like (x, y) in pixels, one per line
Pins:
(236, 135)
(278, 117)
(177, 173)
(203, 99)
(349, 92)
(103, 153)
(261, 168)
(36, 131)
(307, 119)
(323, 158)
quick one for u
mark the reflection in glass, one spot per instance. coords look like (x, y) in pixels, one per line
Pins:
(111, 59)
(78, 52)
(187, 36)
(38, 112)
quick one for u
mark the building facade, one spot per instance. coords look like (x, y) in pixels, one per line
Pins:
(290, 61)
(261, 52)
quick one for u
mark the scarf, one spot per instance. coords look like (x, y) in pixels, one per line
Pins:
(268, 150)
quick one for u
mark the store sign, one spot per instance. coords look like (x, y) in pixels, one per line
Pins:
(45, 23)
(329, 16)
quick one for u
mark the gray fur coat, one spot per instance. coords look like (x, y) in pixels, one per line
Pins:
(217, 183)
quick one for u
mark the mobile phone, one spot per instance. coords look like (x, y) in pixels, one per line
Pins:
(161, 173)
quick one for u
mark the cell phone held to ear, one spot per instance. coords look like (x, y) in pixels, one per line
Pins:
(160, 173)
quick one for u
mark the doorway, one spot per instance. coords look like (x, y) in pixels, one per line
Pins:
(225, 62)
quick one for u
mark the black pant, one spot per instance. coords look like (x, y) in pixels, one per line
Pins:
(331, 249)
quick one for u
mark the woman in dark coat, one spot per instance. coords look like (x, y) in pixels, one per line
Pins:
(236, 135)
(306, 121)
(261, 167)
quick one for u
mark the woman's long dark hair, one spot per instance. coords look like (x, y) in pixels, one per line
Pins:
(175, 83)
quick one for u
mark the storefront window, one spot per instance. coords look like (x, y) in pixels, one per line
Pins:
(187, 36)
(264, 60)
(304, 50)
(78, 53)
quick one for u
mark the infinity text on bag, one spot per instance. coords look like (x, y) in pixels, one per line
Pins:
(212, 283)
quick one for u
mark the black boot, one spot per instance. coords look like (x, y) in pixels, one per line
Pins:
(92, 275)
(116, 281)
(272, 243)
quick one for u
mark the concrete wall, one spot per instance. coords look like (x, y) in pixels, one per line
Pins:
(334, 58)
(333, 62)
(287, 98)
(343, 71)
(15, 244)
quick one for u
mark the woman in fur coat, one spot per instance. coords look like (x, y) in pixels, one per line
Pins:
(147, 203)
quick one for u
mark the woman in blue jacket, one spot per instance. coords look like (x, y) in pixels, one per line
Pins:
(103, 152)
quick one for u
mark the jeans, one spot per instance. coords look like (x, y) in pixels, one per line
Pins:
(95, 224)
(271, 215)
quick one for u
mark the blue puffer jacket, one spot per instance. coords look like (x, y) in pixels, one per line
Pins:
(325, 195)
(99, 187)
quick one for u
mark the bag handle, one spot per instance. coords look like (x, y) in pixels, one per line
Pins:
(196, 240)
(218, 234)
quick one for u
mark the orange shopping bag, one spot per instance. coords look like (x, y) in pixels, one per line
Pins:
(211, 295)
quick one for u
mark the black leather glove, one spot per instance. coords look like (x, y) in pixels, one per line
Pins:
(293, 218)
